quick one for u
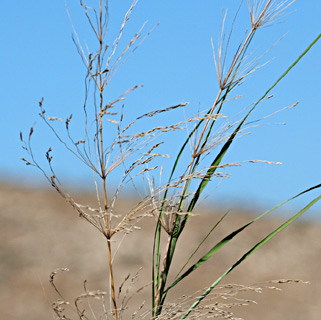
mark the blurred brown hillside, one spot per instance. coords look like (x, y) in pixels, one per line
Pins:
(40, 233)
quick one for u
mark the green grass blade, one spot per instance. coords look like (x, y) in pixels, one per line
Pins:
(216, 162)
(195, 251)
(156, 246)
(197, 160)
(201, 243)
(155, 265)
(208, 255)
(224, 149)
(220, 103)
(248, 253)
(213, 168)
(177, 227)
(229, 237)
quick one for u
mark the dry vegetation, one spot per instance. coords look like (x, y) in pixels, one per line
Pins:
(45, 241)
(110, 145)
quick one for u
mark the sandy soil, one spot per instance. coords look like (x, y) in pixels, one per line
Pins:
(40, 233)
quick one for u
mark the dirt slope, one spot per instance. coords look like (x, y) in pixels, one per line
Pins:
(40, 233)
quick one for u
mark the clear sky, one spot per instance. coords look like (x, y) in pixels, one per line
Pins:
(175, 64)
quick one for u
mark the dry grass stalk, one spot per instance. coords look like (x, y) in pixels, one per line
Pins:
(172, 203)
(219, 304)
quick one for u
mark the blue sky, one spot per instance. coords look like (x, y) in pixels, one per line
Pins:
(175, 64)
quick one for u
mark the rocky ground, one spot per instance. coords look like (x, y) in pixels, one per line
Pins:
(40, 233)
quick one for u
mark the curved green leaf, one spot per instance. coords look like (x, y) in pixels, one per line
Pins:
(248, 253)
(229, 237)
(221, 154)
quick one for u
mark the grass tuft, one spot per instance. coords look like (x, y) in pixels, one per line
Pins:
(111, 145)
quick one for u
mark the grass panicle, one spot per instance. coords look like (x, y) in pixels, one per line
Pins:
(109, 144)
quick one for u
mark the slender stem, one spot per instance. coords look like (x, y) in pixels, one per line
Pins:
(182, 198)
(107, 225)
(112, 284)
(102, 161)
(198, 151)
(161, 283)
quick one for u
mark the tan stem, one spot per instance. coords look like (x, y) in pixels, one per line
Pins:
(197, 151)
(102, 163)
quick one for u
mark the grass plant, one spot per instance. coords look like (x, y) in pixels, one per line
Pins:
(199, 161)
